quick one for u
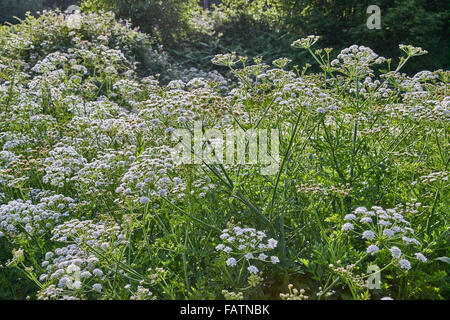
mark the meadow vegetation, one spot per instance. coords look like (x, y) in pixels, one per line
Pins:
(93, 204)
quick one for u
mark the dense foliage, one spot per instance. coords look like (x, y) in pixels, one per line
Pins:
(93, 204)
(267, 27)
(424, 23)
(167, 19)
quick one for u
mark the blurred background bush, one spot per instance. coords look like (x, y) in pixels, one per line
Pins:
(17, 8)
(193, 31)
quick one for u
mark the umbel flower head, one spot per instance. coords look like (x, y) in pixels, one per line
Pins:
(228, 59)
(384, 229)
(305, 43)
(247, 245)
(356, 60)
(412, 51)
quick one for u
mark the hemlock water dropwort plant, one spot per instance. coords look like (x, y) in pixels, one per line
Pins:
(246, 250)
(94, 203)
(385, 230)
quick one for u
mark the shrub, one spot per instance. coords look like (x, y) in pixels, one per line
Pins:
(248, 28)
(53, 31)
(267, 27)
(165, 19)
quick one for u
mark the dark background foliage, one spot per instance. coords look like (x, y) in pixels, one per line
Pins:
(17, 8)
(267, 27)
(342, 22)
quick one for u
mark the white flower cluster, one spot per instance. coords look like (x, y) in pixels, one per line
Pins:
(99, 109)
(142, 293)
(152, 175)
(294, 294)
(70, 267)
(75, 267)
(227, 59)
(301, 93)
(24, 218)
(98, 234)
(247, 245)
(52, 292)
(50, 62)
(63, 163)
(93, 134)
(440, 176)
(425, 111)
(305, 43)
(370, 88)
(383, 229)
(6, 157)
(356, 60)
(411, 50)
(126, 87)
(102, 174)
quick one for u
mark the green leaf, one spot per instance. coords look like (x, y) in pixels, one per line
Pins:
(444, 259)
(304, 261)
